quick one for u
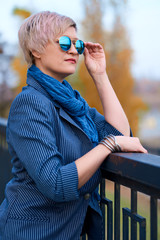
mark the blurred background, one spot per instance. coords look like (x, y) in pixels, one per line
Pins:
(129, 33)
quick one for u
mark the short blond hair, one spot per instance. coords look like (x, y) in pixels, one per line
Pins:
(39, 29)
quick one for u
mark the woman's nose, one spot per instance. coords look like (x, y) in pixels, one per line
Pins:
(73, 49)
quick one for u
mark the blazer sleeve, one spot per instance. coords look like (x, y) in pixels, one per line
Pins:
(103, 127)
(31, 135)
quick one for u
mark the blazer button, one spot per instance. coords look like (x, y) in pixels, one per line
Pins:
(87, 196)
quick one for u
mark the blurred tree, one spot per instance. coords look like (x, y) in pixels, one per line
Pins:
(20, 66)
(18, 63)
(21, 12)
(93, 31)
(118, 55)
(6, 98)
(6, 92)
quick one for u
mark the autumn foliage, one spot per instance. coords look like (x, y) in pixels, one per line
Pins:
(119, 58)
(18, 63)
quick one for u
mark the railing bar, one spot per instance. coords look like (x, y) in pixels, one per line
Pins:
(133, 211)
(109, 205)
(102, 188)
(102, 193)
(117, 211)
(125, 226)
(153, 218)
(110, 221)
(143, 230)
(133, 201)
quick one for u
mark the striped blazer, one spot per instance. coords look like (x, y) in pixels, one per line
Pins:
(42, 201)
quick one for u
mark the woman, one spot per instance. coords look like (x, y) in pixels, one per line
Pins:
(56, 140)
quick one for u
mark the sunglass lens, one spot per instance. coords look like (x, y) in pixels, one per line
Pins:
(80, 46)
(65, 43)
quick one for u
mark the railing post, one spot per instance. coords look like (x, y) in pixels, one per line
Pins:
(117, 212)
(102, 193)
(133, 211)
(125, 225)
(153, 218)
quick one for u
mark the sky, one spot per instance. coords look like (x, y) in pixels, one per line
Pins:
(142, 20)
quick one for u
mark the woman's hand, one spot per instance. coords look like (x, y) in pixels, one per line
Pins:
(88, 164)
(95, 61)
(94, 58)
(130, 144)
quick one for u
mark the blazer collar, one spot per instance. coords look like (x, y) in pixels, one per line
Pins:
(35, 84)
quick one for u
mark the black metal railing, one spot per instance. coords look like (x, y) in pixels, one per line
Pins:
(3, 124)
(5, 158)
(138, 172)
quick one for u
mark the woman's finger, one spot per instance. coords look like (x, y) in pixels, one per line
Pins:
(93, 46)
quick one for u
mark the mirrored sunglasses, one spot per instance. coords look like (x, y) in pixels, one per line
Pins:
(65, 44)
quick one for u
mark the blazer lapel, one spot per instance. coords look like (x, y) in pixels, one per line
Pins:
(32, 82)
(65, 116)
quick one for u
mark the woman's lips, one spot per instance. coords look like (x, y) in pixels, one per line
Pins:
(72, 60)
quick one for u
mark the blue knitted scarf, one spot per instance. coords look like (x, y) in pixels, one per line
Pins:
(70, 100)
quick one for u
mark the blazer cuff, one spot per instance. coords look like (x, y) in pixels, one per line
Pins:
(70, 181)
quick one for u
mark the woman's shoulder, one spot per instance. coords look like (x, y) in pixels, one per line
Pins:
(31, 98)
(31, 104)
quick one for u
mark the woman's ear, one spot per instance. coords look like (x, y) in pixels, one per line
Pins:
(36, 54)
